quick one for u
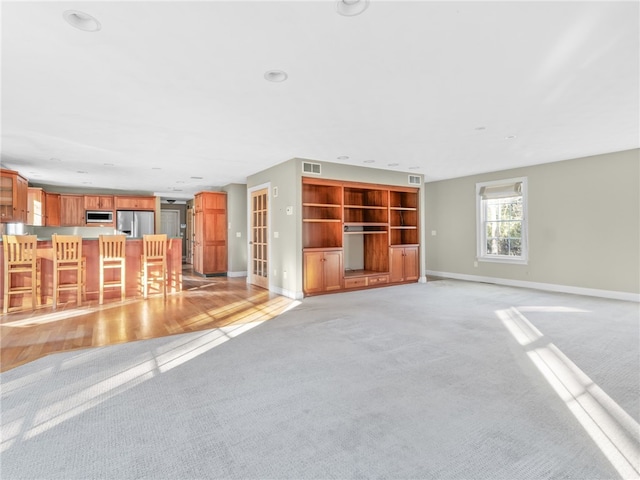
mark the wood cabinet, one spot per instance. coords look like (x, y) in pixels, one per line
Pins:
(122, 202)
(210, 231)
(71, 210)
(36, 205)
(374, 228)
(52, 209)
(98, 202)
(404, 264)
(322, 271)
(13, 197)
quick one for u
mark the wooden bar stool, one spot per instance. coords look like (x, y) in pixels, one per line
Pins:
(112, 256)
(20, 257)
(154, 256)
(67, 257)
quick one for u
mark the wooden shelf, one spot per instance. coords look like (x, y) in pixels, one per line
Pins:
(322, 220)
(327, 205)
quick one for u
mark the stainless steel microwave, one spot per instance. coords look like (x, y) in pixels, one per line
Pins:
(94, 216)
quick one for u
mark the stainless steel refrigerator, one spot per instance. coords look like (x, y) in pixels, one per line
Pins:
(135, 224)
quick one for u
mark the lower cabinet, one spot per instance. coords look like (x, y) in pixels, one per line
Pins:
(403, 264)
(322, 271)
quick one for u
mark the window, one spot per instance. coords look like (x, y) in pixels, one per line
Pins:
(502, 221)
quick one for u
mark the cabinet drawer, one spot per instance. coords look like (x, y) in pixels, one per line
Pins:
(355, 282)
(378, 280)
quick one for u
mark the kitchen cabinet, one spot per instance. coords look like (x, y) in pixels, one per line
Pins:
(13, 197)
(71, 210)
(123, 202)
(36, 207)
(322, 271)
(52, 209)
(404, 264)
(98, 202)
(210, 232)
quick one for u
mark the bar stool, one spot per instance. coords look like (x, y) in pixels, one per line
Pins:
(20, 257)
(67, 257)
(154, 255)
(112, 256)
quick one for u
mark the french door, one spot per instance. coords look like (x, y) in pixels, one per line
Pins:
(259, 270)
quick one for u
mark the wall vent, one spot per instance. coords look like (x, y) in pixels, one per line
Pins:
(308, 167)
(414, 180)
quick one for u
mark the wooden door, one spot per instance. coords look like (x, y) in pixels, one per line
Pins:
(411, 265)
(259, 240)
(214, 228)
(396, 264)
(313, 272)
(332, 270)
(52, 209)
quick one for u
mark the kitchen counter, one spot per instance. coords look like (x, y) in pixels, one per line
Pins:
(90, 250)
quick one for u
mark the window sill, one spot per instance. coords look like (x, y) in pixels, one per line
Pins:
(511, 260)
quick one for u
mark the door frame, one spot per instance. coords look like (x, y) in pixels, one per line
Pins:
(250, 191)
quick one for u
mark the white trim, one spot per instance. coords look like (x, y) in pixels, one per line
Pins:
(237, 274)
(592, 292)
(287, 293)
(480, 231)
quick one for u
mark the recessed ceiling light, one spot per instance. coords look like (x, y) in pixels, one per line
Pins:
(156, 168)
(351, 8)
(368, 161)
(81, 171)
(342, 157)
(392, 164)
(86, 183)
(478, 129)
(179, 181)
(276, 76)
(414, 168)
(55, 159)
(197, 178)
(108, 164)
(82, 21)
(510, 137)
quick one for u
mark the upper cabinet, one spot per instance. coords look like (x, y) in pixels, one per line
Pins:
(13, 197)
(98, 202)
(36, 207)
(135, 203)
(71, 210)
(51, 209)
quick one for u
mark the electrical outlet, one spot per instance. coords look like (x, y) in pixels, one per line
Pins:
(238, 234)
(433, 233)
(276, 234)
(475, 264)
(289, 210)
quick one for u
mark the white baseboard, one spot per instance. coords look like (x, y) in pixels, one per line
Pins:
(237, 274)
(287, 293)
(592, 292)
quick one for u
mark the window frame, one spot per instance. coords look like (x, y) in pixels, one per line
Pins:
(481, 231)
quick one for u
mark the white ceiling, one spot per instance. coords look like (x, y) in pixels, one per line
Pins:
(435, 87)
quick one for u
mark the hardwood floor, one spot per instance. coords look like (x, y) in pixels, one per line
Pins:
(204, 303)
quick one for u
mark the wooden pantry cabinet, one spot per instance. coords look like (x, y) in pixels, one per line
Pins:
(210, 233)
(368, 234)
(13, 197)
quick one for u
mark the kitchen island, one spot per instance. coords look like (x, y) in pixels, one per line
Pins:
(90, 250)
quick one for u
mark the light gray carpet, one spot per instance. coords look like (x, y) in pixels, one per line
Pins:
(415, 381)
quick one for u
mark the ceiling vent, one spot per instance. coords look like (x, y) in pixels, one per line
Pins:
(308, 167)
(414, 180)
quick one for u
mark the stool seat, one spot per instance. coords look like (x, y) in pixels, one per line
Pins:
(112, 256)
(20, 258)
(154, 257)
(67, 257)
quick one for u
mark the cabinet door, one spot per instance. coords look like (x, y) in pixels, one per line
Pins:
(396, 264)
(411, 265)
(198, 236)
(52, 209)
(22, 199)
(13, 197)
(134, 203)
(36, 207)
(332, 270)
(98, 202)
(313, 268)
(72, 210)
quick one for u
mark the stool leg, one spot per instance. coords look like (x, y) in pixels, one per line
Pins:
(34, 285)
(123, 280)
(39, 281)
(7, 286)
(55, 285)
(101, 283)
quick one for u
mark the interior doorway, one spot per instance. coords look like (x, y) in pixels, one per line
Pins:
(259, 239)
